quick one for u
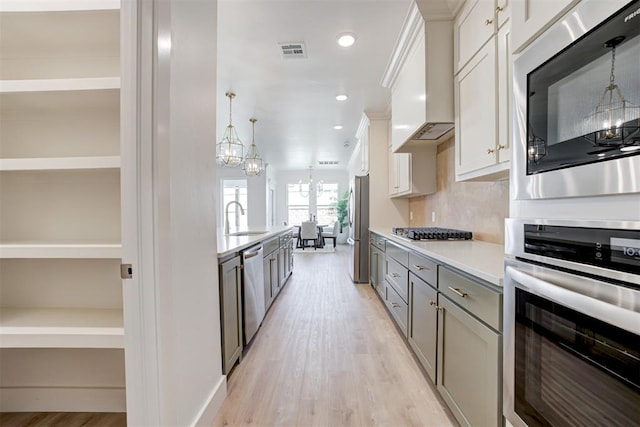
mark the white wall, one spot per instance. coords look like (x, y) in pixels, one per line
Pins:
(173, 357)
(384, 212)
(292, 177)
(256, 195)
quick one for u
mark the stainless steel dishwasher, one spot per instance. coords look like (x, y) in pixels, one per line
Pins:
(252, 291)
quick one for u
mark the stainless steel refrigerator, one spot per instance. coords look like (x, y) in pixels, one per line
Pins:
(358, 210)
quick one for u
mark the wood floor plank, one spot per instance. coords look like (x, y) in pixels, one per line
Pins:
(62, 419)
(328, 354)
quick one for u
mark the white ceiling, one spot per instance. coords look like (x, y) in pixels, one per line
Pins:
(294, 99)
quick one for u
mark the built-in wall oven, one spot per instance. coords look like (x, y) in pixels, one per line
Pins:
(577, 105)
(572, 334)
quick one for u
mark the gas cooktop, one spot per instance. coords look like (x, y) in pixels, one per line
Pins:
(431, 233)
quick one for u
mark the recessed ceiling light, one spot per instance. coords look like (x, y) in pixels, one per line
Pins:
(346, 39)
(341, 97)
(337, 127)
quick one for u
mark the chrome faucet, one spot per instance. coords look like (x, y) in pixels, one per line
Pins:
(226, 215)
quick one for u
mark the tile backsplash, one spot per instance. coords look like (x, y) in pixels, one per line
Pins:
(479, 207)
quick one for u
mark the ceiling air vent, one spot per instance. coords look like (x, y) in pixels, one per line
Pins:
(293, 50)
(328, 162)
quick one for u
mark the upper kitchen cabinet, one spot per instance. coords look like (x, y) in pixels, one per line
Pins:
(420, 76)
(412, 174)
(483, 96)
(532, 17)
(362, 135)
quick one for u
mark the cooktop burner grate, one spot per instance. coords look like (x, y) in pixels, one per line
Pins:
(432, 233)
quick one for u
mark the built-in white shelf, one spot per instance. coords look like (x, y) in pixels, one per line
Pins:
(78, 250)
(60, 163)
(56, 85)
(57, 5)
(61, 328)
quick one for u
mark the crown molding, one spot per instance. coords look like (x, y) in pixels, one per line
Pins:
(412, 28)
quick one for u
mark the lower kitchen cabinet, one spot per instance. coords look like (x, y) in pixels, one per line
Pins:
(423, 321)
(377, 263)
(270, 271)
(230, 283)
(452, 321)
(469, 366)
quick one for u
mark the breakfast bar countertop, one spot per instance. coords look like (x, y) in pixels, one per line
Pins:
(229, 244)
(481, 259)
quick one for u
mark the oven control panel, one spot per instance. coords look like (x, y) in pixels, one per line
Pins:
(615, 249)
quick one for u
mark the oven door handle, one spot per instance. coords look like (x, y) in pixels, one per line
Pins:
(619, 306)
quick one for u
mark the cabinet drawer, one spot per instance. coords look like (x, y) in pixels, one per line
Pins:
(424, 268)
(398, 277)
(378, 241)
(398, 253)
(398, 308)
(479, 300)
(270, 245)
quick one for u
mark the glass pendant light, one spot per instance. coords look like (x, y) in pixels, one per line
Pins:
(607, 123)
(308, 186)
(253, 163)
(230, 151)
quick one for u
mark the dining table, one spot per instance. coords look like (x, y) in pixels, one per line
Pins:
(320, 240)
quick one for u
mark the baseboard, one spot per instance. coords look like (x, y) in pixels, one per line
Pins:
(62, 399)
(212, 405)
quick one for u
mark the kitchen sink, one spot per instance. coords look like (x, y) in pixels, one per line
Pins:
(247, 233)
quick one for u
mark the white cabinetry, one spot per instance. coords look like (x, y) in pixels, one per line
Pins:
(531, 17)
(408, 104)
(60, 250)
(362, 153)
(412, 174)
(483, 100)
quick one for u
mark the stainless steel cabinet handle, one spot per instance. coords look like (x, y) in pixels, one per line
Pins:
(395, 305)
(395, 275)
(420, 267)
(499, 9)
(434, 305)
(458, 292)
(488, 22)
(500, 147)
(490, 150)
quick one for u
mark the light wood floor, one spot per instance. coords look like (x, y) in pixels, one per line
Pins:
(328, 354)
(62, 419)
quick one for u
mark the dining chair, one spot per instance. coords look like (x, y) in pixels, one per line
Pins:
(309, 231)
(331, 232)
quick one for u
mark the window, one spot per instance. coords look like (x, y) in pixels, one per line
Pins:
(297, 204)
(235, 190)
(327, 200)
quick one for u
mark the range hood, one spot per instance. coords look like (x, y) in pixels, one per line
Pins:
(420, 75)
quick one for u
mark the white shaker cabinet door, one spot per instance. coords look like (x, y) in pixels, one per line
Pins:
(531, 17)
(476, 105)
(473, 27)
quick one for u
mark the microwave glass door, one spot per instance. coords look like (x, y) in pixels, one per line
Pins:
(583, 104)
(572, 369)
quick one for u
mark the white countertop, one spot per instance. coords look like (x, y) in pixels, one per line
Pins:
(230, 244)
(481, 259)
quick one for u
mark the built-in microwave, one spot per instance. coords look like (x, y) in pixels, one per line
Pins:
(577, 105)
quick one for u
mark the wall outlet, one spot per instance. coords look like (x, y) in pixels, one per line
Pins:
(433, 216)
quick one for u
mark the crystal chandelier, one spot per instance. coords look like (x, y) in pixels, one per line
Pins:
(319, 186)
(607, 123)
(253, 163)
(230, 151)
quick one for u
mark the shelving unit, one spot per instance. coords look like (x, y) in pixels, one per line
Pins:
(61, 322)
